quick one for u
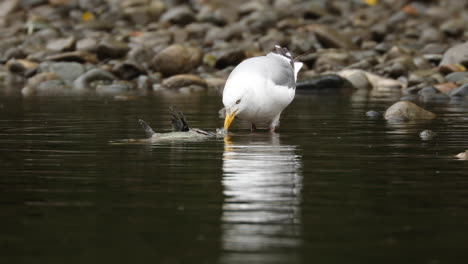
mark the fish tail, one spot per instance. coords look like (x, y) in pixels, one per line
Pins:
(148, 130)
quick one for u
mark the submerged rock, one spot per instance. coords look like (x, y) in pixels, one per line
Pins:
(373, 114)
(463, 155)
(407, 111)
(427, 135)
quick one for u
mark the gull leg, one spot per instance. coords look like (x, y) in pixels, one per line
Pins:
(253, 128)
(274, 123)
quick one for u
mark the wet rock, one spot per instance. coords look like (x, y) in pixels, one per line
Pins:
(62, 44)
(113, 88)
(373, 114)
(457, 77)
(435, 97)
(457, 54)
(86, 80)
(39, 78)
(324, 83)
(407, 111)
(330, 38)
(127, 70)
(111, 49)
(462, 156)
(331, 60)
(461, 91)
(50, 87)
(357, 78)
(181, 15)
(74, 56)
(67, 71)
(183, 80)
(427, 135)
(177, 59)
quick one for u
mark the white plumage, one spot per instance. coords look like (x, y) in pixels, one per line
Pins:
(260, 88)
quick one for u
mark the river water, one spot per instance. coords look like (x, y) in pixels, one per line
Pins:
(332, 186)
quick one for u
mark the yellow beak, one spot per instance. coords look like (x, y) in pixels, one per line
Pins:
(228, 120)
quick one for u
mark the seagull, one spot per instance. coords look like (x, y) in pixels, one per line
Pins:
(260, 88)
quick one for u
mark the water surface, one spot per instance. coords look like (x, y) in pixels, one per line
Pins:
(332, 186)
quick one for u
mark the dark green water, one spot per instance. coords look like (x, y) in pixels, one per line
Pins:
(333, 186)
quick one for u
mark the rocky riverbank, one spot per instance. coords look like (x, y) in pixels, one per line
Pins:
(137, 46)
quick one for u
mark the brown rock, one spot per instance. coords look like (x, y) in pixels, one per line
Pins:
(445, 87)
(76, 56)
(407, 111)
(177, 59)
(183, 80)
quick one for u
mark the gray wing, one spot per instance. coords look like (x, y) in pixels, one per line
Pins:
(281, 72)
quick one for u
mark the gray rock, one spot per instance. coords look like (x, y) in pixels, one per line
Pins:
(87, 44)
(67, 71)
(177, 59)
(457, 77)
(453, 27)
(61, 44)
(427, 135)
(113, 88)
(457, 54)
(8, 6)
(50, 87)
(86, 80)
(461, 91)
(183, 80)
(436, 97)
(181, 15)
(407, 111)
(373, 114)
(428, 90)
(111, 49)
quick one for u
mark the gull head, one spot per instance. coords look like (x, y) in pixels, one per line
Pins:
(235, 102)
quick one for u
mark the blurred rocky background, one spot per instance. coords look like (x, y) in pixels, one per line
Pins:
(122, 47)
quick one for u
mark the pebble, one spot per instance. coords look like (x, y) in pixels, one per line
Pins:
(373, 114)
(62, 44)
(457, 54)
(127, 70)
(183, 80)
(427, 135)
(181, 15)
(67, 71)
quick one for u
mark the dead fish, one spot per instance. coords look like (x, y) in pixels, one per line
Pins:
(180, 131)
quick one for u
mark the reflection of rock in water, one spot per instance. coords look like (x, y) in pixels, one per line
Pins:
(261, 212)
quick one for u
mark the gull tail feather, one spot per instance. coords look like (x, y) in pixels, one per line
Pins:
(179, 123)
(148, 130)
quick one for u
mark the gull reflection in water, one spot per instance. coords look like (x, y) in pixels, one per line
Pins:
(261, 212)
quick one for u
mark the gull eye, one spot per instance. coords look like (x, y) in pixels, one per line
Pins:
(238, 101)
